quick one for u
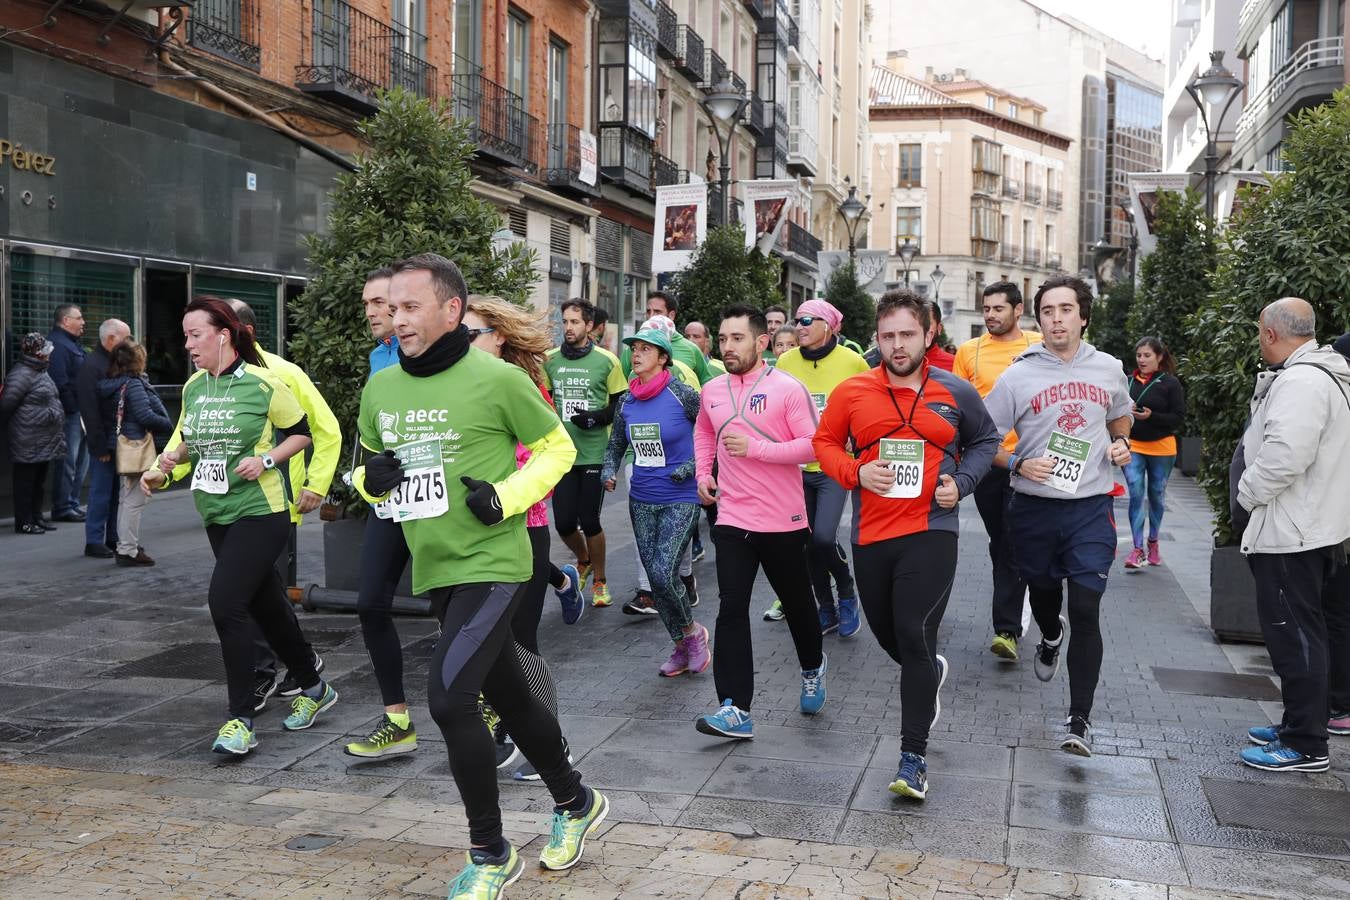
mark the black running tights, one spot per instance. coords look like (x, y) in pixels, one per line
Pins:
(245, 584)
(1084, 654)
(384, 555)
(477, 653)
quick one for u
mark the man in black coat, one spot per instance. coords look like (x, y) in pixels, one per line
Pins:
(65, 362)
(100, 525)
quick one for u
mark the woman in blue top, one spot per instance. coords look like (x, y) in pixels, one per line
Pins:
(655, 417)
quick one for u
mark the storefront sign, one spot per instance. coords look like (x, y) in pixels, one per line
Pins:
(560, 268)
(26, 160)
(590, 157)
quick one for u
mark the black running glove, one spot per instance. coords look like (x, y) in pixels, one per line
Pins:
(482, 501)
(591, 418)
(383, 473)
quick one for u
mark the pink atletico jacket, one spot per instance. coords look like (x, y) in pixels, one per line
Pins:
(761, 491)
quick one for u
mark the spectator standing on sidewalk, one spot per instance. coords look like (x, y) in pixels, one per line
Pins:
(66, 360)
(1290, 499)
(31, 405)
(1159, 410)
(128, 401)
(100, 525)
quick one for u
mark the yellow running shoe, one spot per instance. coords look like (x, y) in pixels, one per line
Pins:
(600, 594)
(584, 572)
(483, 880)
(569, 834)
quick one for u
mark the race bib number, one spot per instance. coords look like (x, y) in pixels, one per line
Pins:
(210, 476)
(384, 509)
(819, 401)
(648, 451)
(905, 459)
(1070, 456)
(571, 407)
(421, 494)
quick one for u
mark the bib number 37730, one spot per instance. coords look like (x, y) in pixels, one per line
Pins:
(421, 494)
(905, 459)
(1070, 456)
(210, 476)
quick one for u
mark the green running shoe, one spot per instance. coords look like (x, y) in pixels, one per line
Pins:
(483, 880)
(235, 737)
(570, 833)
(304, 710)
(775, 612)
(388, 739)
(490, 717)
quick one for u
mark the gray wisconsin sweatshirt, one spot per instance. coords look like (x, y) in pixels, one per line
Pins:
(1040, 394)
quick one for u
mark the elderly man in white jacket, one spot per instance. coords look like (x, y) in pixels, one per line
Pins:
(1292, 503)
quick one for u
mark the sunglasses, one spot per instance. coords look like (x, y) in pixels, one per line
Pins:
(807, 321)
(475, 332)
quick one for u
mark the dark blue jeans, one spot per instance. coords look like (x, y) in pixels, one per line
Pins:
(69, 471)
(1155, 470)
(100, 525)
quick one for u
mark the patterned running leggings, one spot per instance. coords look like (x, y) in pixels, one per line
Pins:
(662, 530)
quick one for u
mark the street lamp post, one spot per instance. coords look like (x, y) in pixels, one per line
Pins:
(724, 104)
(1134, 238)
(936, 277)
(907, 251)
(1217, 87)
(852, 210)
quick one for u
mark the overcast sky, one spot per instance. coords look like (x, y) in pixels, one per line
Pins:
(1139, 23)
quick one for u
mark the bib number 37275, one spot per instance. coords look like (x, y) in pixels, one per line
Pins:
(421, 494)
(1070, 456)
(905, 459)
(210, 476)
(648, 451)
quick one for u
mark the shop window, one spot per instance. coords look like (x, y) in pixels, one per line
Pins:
(261, 296)
(38, 284)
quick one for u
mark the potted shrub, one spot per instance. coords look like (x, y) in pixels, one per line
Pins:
(410, 193)
(1288, 240)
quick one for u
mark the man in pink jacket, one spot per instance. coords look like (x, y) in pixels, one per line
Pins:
(757, 423)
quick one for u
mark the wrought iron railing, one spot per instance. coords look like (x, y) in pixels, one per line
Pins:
(230, 29)
(353, 54)
(562, 165)
(626, 158)
(1054, 199)
(755, 120)
(738, 83)
(1032, 257)
(1033, 193)
(717, 68)
(664, 170)
(794, 34)
(498, 123)
(1012, 188)
(689, 56)
(1054, 261)
(1010, 253)
(667, 44)
(802, 242)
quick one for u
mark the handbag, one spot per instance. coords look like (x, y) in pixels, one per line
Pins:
(134, 455)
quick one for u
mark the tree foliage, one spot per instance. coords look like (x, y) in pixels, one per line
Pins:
(721, 273)
(409, 194)
(1289, 240)
(1175, 278)
(1108, 331)
(858, 306)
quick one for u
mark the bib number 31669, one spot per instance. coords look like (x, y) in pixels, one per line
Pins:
(905, 459)
(421, 494)
(1070, 455)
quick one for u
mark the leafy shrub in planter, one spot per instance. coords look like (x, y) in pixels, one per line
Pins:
(723, 272)
(1174, 278)
(858, 306)
(1290, 240)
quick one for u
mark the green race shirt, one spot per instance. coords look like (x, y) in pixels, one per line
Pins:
(581, 384)
(224, 420)
(474, 413)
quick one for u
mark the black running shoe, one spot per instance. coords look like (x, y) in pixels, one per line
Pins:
(264, 686)
(1078, 739)
(290, 687)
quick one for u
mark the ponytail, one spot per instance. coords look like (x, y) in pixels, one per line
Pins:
(222, 316)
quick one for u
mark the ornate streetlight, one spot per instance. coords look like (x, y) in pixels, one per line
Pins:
(906, 251)
(1217, 87)
(852, 210)
(724, 104)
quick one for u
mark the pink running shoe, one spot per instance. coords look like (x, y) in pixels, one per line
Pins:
(678, 663)
(1339, 723)
(1136, 559)
(697, 646)
(1154, 557)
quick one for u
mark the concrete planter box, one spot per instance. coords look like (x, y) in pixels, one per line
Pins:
(1232, 597)
(342, 557)
(1188, 455)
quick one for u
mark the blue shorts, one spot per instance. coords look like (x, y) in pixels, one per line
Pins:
(1055, 539)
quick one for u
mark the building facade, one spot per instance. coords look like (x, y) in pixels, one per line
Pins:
(966, 175)
(1199, 27)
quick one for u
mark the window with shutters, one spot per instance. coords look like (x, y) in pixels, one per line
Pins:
(559, 238)
(608, 245)
(640, 253)
(517, 220)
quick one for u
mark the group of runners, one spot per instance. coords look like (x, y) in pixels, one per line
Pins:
(470, 419)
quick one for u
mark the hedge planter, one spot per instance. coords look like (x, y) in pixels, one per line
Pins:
(1232, 597)
(1188, 454)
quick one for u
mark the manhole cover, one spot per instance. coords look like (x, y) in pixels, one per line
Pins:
(311, 842)
(1216, 684)
(1279, 807)
(195, 661)
(14, 733)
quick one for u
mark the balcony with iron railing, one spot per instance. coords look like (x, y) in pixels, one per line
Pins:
(1032, 256)
(626, 159)
(738, 83)
(798, 240)
(754, 119)
(230, 29)
(1054, 199)
(1012, 188)
(664, 170)
(1009, 253)
(1033, 193)
(717, 69)
(689, 55)
(353, 55)
(794, 34)
(1054, 261)
(1324, 57)
(562, 167)
(497, 120)
(667, 44)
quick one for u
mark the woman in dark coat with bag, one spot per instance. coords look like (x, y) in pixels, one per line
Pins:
(126, 399)
(31, 405)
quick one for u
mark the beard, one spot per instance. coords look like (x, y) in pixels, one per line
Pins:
(737, 364)
(905, 370)
(1002, 328)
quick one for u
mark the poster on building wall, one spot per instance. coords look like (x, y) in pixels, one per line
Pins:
(870, 266)
(767, 204)
(681, 225)
(589, 158)
(1232, 187)
(1145, 189)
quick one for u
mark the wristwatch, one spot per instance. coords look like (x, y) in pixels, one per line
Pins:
(1122, 437)
(268, 461)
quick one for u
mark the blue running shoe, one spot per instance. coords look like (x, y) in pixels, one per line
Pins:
(829, 620)
(813, 687)
(1263, 734)
(697, 548)
(1276, 757)
(235, 737)
(912, 778)
(305, 709)
(727, 722)
(849, 621)
(570, 597)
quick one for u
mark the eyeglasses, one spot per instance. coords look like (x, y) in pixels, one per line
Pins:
(475, 332)
(807, 321)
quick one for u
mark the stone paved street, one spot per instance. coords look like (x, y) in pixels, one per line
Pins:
(110, 693)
